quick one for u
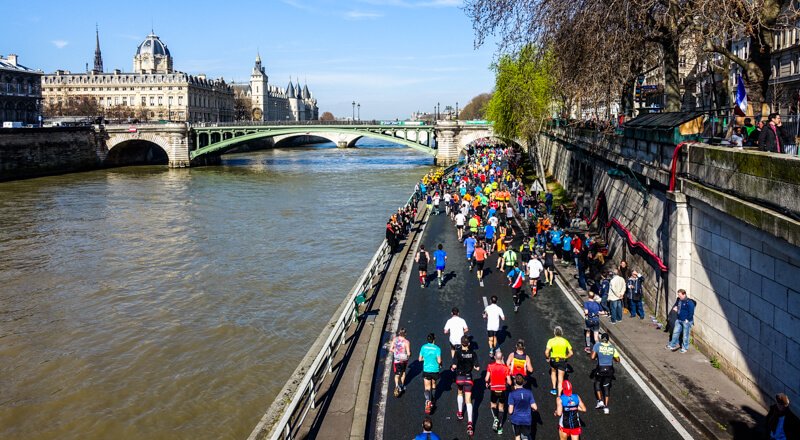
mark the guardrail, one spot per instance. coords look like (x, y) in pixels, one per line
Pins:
(304, 396)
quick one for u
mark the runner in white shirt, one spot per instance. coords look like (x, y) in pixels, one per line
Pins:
(436, 200)
(535, 268)
(447, 198)
(455, 327)
(493, 315)
(460, 220)
(494, 221)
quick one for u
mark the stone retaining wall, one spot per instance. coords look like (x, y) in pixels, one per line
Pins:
(745, 279)
(32, 152)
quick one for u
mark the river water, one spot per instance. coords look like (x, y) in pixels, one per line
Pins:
(149, 303)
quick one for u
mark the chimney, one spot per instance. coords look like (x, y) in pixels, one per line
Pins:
(12, 58)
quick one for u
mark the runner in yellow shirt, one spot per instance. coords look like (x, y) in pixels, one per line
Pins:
(557, 352)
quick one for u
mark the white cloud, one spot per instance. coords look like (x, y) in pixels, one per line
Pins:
(60, 43)
(362, 15)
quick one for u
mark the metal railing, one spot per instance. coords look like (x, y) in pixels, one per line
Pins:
(304, 396)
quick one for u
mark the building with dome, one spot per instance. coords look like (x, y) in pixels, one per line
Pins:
(272, 103)
(152, 91)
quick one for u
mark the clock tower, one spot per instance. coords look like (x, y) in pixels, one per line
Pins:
(258, 91)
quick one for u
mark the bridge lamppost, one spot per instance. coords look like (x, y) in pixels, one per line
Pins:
(353, 120)
(456, 110)
(359, 111)
(437, 111)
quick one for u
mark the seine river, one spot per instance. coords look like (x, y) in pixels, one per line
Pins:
(149, 303)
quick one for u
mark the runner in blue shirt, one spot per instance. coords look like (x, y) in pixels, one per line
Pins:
(431, 357)
(489, 230)
(440, 257)
(470, 244)
(520, 404)
(427, 433)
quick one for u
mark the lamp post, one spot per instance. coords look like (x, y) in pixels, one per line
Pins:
(437, 111)
(359, 111)
(353, 119)
(456, 110)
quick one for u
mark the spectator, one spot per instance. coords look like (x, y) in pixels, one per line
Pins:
(737, 138)
(749, 128)
(684, 306)
(782, 423)
(635, 295)
(772, 138)
(616, 291)
(752, 138)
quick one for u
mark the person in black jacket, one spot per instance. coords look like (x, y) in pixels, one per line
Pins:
(772, 137)
(787, 428)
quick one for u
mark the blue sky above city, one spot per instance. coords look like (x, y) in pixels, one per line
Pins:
(392, 56)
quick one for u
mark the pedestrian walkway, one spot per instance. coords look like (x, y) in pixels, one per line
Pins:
(712, 402)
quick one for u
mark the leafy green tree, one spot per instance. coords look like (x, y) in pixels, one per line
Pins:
(523, 95)
(476, 109)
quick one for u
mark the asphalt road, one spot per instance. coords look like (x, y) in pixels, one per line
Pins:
(632, 414)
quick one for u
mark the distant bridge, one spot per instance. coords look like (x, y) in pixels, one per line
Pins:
(186, 145)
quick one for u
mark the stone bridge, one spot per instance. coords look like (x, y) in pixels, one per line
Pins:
(183, 145)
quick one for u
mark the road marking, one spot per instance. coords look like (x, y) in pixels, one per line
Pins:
(485, 303)
(394, 321)
(634, 374)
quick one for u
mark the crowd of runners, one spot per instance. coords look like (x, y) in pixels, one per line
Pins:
(486, 200)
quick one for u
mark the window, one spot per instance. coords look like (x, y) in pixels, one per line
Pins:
(152, 101)
(160, 101)
(180, 101)
(144, 101)
(169, 100)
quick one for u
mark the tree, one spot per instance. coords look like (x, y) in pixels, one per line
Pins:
(327, 116)
(242, 107)
(476, 109)
(523, 93)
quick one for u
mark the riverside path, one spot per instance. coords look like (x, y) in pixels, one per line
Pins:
(633, 415)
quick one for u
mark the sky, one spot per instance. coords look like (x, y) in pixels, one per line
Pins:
(393, 57)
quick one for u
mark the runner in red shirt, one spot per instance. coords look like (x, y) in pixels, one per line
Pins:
(498, 377)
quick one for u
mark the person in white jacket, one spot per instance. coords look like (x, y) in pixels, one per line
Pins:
(616, 291)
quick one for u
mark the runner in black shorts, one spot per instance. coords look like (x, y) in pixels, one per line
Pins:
(549, 264)
(465, 361)
(422, 259)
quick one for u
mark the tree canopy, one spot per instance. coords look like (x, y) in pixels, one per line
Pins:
(476, 109)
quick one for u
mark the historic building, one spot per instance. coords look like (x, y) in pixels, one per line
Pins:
(272, 103)
(20, 92)
(153, 91)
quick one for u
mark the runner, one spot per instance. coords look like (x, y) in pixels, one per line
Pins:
(456, 328)
(440, 256)
(591, 313)
(549, 263)
(606, 354)
(568, 407)
(422, 259)
(436, 199)
(460, 220)
(520, 404)
(470, 243)
(447, 199)
(509, 259)
(498, 378)
(401, 352)
(479, 259)
(431, 357)
(516, 279)
(493, 314)
(464, 362)
(557, 352)
(427, 430)
(519, 362)
(535, 269)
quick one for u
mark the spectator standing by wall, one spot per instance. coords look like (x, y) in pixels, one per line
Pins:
(684, 306)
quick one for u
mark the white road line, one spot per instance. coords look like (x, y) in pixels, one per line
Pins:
(392, 328)
(485, 303)
(634, 374)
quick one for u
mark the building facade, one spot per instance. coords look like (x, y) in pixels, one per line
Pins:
(153, 91)
(272, 103)
(20, 92)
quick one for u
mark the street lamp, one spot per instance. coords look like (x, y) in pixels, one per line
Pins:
(437, 111)
(354, 112)
(359, 111)
(456, 110)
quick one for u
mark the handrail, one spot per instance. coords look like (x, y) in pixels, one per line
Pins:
(295, 411)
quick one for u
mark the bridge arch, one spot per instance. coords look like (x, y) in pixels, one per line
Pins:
(137, 151)
(334, 134)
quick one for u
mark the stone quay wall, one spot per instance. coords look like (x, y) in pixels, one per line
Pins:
(728, 237)
(34, 152)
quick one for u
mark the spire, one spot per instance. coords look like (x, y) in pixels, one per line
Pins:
(98, 57)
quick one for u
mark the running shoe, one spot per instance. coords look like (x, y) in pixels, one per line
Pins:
(683, 350)
(587, 350)
(495, 424)
(460, 415)
(422, 286)
(516, 308)
(605, 410)
(396, 391)
(599, 405)
(428, 407)
(500, 431)
(470, 431)
(554, 392)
